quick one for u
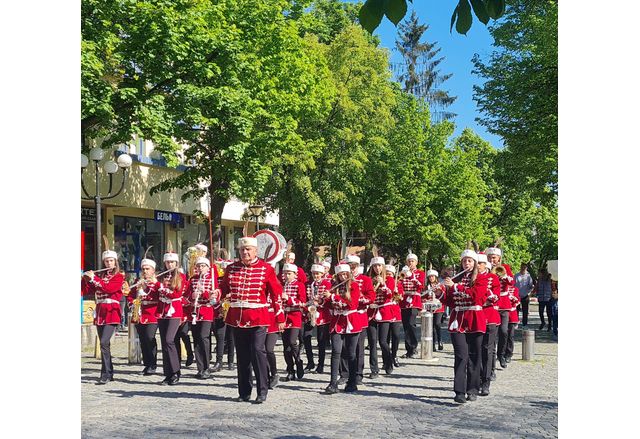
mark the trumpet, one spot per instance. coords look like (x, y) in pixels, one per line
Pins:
(499, 270)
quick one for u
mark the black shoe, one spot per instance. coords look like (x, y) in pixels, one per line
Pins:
(174, 379)
(243, 399)
(503, 363)
(299, 369)
(373, 375)
(332, 388)
(541, 327)
(460, 398)
(165, 381)
(484, 390)
(217, 367)
(319, 369)
(472, 397)
(309, 367)
(440, 347)
(507, 359)
(493, 376)
(103, 380)
(203, 375)
(396, 363)
(388, 370)
(351, 388)
(260, 399)
(342, 380)
(189, 361)
(231, 366)
(274, 381)
(358, 380)
(290, 377)
(549, 328)
(150, 371)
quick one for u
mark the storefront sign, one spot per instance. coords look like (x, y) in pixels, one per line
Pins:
(168, 217)
(88, 214)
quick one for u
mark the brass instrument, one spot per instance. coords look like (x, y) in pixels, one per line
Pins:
(136, 308)
(196, 305)
(311, 305)
(226, 304)
(500, 271)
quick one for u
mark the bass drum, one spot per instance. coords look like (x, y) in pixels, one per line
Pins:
(271, 246)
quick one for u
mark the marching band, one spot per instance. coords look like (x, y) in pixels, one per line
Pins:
(248, 299)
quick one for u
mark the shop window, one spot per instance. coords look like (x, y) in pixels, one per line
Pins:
(132, 237)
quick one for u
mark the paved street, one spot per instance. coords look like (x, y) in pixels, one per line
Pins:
(416, 400)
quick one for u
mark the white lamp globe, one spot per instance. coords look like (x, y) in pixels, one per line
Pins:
(84, 161)
(96, 154)
(111, 167)
(124, 160)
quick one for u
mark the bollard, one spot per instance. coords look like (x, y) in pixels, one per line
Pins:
(426, 337)
(134, 344)
(528, 345)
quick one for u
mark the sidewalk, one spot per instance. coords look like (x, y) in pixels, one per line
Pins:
(416, 400)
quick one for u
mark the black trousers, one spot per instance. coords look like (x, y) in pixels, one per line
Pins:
(183, 334)
(395, 338)
(541, 307)
(511, 333)
(359, 355)
(488, 353)
(524, 307)
(251, 349)
(291, 348)
(409, 325)
(372, 339)
(105, 332)
(229, 341)
(467, 350)
(307, 335)
(270, 345)
(384, 329)
(219, 329)
(344, 345)
(148, 344)
(170, 359)
(202, 341)
(437, 328)
(503, 333)
(323, 339)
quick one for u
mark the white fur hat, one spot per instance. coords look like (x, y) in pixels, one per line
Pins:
(412, 256)
(493, 251)
(432, 273)
(405, 268)
(469, 254)
(151, 263)
(326, 264)
(482, 258)
(203, 260)
(170, 256)
(341, 268)
(291, 255)
(247, 241)
(353, 259)
(317, 268)
(377, 260)
(489, 265)
(109, 254)
(291, 267)
(390, 268)
(201, 247)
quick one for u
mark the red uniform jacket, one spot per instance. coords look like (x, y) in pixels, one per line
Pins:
(514, 297)
(490, 307)
(295, 303)
(466, 305)
(384, 308)
(367, 297)
(202, 287)
(413, 286)
(247, 288)
(108, 292)
(344, 313)
(436, 291)
(504, 303)
(316, 290)
(149, 294)
(273, 319)
(170, 300)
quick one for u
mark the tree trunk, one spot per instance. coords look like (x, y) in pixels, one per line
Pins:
(216, 208)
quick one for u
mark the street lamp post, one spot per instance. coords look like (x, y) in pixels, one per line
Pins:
(256, 210)
(96, 154)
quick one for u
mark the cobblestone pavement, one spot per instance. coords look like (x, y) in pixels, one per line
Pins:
(416, 400)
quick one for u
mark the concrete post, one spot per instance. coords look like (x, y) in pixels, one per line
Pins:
(426, 338)
(134, 345)
(528, 345)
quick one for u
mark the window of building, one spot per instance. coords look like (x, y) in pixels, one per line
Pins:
(132, 237)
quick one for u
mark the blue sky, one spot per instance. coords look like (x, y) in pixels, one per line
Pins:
(457, 49)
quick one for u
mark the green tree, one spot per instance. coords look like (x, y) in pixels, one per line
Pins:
(420, 75)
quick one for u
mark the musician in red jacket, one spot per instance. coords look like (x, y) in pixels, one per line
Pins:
(413, 282)
(467, 325)
(107, 287)
(494, 254)
(435, 290)
(315, 296)
(327, 269)
(246, 284)
(514, 298)
(145, 291)
(294, 299)
(490, 309)
(169, 313)
(202, 294)
(345, 326)
(291, 259)
(393, 336)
